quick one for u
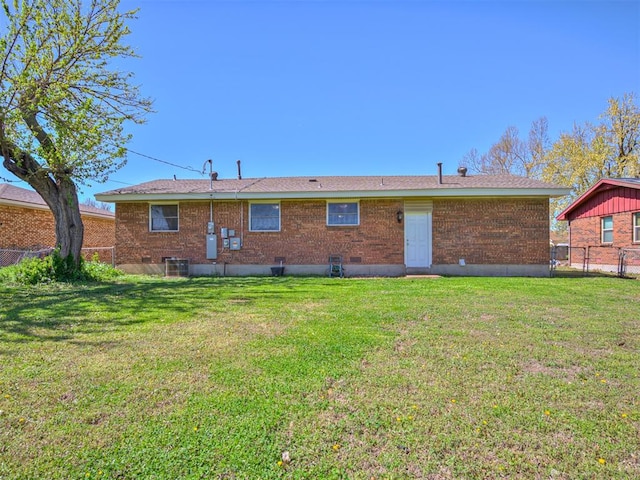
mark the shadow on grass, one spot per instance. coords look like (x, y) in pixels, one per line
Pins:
(63, 311)
(564, 272)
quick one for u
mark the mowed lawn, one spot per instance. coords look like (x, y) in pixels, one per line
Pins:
(434, 378)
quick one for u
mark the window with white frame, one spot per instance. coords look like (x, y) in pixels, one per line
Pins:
(264, 217)
(343, 213)
(636, 227)
(163, 218)
(607, 229)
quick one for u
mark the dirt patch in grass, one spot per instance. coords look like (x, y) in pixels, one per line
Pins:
(569, 374)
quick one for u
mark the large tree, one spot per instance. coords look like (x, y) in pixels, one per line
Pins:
(589, 152)
(512, 155)
(63, 102)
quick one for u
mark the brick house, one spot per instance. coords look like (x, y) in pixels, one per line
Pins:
(465, 225)
(604, 221)
(26, 223)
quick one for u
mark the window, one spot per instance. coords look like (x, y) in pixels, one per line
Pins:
(607, 229)
(163, 218)
(264, 217)
(636, 227)
(343, 213)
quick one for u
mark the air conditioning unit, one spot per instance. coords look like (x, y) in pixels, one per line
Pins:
(177, 267)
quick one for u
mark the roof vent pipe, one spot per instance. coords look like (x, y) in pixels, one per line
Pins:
(239, 173)
(462, 171)
(439, 173)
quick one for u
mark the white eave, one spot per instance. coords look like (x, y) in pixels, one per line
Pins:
(435, 193)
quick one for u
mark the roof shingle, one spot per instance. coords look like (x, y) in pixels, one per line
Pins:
(24, 197)
(334, 185)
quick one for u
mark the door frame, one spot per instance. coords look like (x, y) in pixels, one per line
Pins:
(421, 208)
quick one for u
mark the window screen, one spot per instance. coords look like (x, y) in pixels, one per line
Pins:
(607, 230)
(265, 217)
(164, 218)
(343, 213)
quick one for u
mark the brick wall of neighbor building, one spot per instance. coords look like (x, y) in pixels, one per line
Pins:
(26, 228)
(481, 231)
(586, 232)
(30, 228)
(491, 231)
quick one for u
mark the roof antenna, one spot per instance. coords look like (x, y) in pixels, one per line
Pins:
(204, 167)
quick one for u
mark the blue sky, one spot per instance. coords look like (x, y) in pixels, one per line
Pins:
(365, 87)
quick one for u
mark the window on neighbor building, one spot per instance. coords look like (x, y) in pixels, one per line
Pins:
(607, 229)
(343, 213)
(264, 217)
(636, 227)
(163, 218)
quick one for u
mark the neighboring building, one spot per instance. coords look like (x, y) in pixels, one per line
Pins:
(26, 223)
(603, 222)
(461, 225)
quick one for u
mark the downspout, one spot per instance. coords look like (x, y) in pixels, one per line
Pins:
(241, 223)
(569, 232)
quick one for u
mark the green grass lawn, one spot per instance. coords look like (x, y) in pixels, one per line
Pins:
(442, 378)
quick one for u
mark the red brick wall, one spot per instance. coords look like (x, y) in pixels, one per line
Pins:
(481, 231)
(26, 228)
(586, 232)
(304, 237)
(491, 231)
(23, 228)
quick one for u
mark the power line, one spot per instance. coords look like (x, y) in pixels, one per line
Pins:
(191, 169)
(8, 180)
(118, 181)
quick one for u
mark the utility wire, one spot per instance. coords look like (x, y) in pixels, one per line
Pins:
(118, 181)
(191, 169)
(8, 180)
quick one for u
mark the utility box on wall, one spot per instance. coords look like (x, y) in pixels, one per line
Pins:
(234, 243)
(212, 247)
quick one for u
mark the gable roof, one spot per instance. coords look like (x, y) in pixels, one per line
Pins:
(21, 197)
(599, 186)
(334, 187)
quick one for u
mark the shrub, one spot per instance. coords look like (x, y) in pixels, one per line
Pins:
(97, 271)
(31, 271)
(54, 268)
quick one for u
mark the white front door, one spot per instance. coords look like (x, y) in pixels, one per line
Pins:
(417, 238)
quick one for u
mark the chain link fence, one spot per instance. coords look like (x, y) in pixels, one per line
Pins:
(629, 264)
(14, 256)
(11, 257)
(101, 254)
(592, 260)
(568, 261)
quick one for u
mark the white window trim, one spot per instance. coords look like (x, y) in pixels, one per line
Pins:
(603, 230)
(266, 202)
(151, 230)
(635, 227)
(349, 200)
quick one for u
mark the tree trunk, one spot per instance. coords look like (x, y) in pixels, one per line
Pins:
(66, 212)
(62, 198)
(60, 194)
